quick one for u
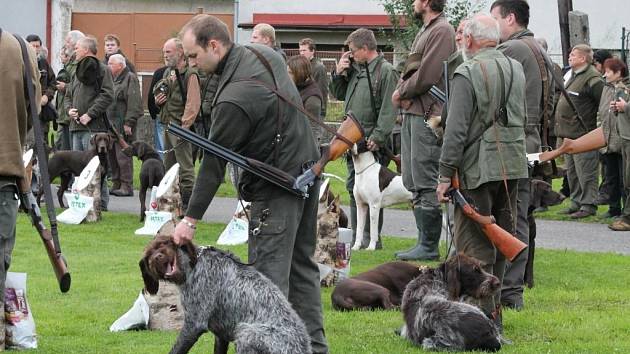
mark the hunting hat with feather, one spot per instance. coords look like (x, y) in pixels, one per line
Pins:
(88, 70)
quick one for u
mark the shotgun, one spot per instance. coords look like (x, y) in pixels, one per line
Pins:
(504, 241)
(265, 171)
(57, 260)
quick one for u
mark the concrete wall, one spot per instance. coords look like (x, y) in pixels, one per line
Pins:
(62, 12)
(24, 17)
(605, 21)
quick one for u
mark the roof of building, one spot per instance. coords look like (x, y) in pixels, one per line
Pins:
(320, 21)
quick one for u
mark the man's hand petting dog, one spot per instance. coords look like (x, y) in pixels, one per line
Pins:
(184, 233)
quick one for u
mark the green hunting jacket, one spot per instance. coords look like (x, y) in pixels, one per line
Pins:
(354, 90)
(245, 119)
(66, 74)
(477, 145)
(91, 99)
(585, 88)
(127, 106)
(516, 48)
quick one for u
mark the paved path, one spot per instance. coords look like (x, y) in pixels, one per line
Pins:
(400, 223)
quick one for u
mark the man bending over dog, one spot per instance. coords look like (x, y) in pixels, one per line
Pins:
(370, 104)
(247, 117)
(484, 142)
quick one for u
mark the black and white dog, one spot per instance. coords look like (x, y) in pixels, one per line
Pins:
(375, 187)
(435, 318)
(222, 295)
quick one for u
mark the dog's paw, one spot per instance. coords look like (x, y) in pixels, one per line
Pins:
(356, 246)
(371, 247)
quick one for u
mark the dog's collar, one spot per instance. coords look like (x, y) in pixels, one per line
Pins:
(365, 169)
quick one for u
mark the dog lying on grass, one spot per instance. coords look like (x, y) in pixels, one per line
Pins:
(222, 295)
(381, 287)
(435, 318)
(151, 172)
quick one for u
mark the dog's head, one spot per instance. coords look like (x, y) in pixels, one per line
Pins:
(542, 194)
(140, 149)
(162, 261)
(359, 147)
(102, 142)
(465, 276)
(328, 219)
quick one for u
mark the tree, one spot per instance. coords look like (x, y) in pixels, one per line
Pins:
(406, 26)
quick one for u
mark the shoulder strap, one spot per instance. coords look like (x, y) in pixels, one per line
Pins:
(280, 117)
(544, 75)
(181, 86)
(40, 150)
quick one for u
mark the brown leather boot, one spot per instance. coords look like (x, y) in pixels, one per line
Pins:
(125, 190)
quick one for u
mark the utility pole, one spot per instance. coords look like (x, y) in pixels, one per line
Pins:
(623, 45)
(564, 6)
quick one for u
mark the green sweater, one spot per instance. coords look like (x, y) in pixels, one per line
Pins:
(353, 89)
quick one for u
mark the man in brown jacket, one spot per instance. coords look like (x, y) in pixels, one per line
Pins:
(123, 115)
(420, 147)
(15, 121)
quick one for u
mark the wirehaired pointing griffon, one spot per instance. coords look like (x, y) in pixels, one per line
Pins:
(222, 295)
(375, 187)
(435, 318)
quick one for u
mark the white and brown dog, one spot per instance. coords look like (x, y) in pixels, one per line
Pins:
(375, 187)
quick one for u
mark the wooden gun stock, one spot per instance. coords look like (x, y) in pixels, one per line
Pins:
(504, 241)
(56, 258)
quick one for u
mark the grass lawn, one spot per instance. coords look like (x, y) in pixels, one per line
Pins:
(581, 302)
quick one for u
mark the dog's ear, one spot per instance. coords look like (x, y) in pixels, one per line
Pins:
(334, 205)
(453, 282)
(190, 250)
(93, 140)
(150, 283)
(110, 142)
(141, 151)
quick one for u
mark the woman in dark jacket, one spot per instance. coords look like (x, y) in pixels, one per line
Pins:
(300, 72)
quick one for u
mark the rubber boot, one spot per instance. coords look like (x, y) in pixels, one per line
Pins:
(431, 227)
(417, 213)
(365, 241)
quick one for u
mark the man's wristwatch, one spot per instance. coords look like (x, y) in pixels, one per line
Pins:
(189, 224)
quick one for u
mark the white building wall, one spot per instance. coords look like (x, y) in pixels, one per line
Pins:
(24, 17)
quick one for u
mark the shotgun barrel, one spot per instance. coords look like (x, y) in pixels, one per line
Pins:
(267, 172)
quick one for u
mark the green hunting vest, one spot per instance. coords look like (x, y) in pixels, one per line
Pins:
(499, 150)
(579, 88)
(173, 108)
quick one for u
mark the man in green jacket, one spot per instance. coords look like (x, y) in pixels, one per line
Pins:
(518, 43)
(420, 147)
(485, 148)
(251, 119)
(64, 77)
(88, 96)
(585, 87)
(371, 106)
(123, 115)
(180, 104)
